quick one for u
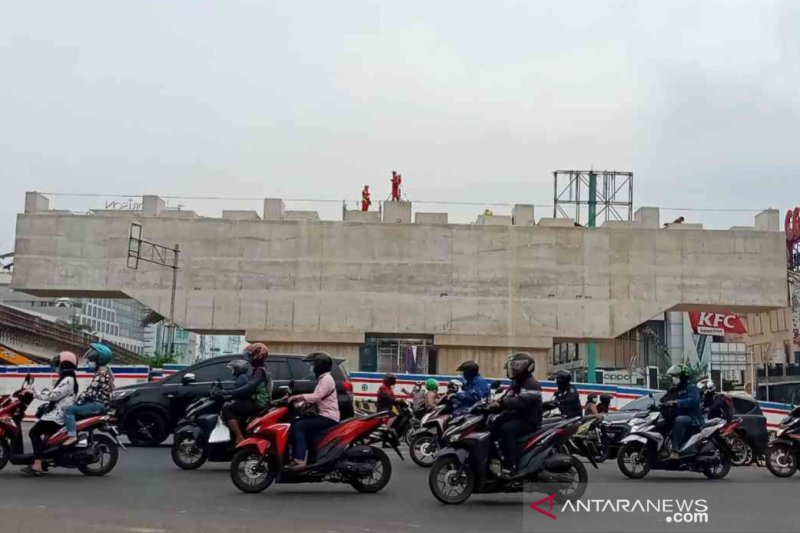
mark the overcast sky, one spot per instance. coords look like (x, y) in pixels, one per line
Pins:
(472, 101)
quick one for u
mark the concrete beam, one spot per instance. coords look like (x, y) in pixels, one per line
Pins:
(303, 216)
(522, 215)
(274, 209)
(493, 220)
(647, 217)
(430, 218)
(239, 215)
(356, 215)
(36, 203)
(152, 205)
(768, 220)
(397, 212)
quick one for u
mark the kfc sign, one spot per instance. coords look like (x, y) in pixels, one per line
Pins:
(716, 324)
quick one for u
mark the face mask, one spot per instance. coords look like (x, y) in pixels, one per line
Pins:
(676, 380)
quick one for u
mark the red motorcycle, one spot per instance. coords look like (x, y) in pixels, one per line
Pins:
(342, 454)
(97, 458)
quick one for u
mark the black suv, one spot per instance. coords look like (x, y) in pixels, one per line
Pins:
(753, 429)
(148, 412)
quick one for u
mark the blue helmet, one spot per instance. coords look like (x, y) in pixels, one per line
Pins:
(99, 354)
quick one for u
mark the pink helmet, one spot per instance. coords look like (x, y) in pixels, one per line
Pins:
(70, 357)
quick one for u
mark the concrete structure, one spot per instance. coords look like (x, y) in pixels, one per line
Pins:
(397, 212)
(522, 215)
(430, 218)
(477, 291)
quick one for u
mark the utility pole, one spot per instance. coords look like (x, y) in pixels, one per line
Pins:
(591, 354)
(158, 254)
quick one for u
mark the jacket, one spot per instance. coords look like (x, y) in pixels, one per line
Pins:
(100, 389)
(718, 406)
(687, 402)
(385, 398)
(324, 397)
(473, 391)
(61, 397)
(524, 402)
(257, 388)
(568, 402)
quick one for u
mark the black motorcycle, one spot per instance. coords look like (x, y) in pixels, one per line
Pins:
(784, 450)
(470, 461)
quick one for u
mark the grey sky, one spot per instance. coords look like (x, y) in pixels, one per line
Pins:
(472, 101)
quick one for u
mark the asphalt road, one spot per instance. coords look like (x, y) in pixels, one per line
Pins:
(146, 493)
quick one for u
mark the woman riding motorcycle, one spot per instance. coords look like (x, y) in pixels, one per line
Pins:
(521, 408)
(324, 401)
(61, 396)
(431, 394)
(591, 405)
(97, 396)
(250, 398)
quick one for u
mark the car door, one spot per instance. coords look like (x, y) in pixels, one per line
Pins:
(280, 373)
(180, 394)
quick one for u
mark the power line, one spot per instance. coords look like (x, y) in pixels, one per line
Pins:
(423, 202)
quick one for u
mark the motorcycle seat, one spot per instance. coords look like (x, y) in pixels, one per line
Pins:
(711, 422)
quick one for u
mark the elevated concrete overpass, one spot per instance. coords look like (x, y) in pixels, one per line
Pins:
(480, 289)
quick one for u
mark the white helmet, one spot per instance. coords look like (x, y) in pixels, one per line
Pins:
(706, 386)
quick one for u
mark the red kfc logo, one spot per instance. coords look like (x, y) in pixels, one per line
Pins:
(717, 324)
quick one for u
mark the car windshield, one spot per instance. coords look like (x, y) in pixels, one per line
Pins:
(644, 403)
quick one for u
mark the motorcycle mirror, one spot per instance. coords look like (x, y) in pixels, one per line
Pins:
(28, 379)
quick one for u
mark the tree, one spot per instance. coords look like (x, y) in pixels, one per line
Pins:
(158, 360)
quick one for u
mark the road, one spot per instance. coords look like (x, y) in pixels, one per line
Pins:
(146, 493)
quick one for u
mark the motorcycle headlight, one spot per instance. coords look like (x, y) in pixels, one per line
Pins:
(122, 394)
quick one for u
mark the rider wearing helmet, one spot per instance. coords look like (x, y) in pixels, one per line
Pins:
(61, 396)
(306, 428)
(591, 405)
(97, 397)
(239, 369)
(521, 407)
(252, 396)
(684, 398)
(475, 388)
(715, 405)
(386, 398)
(431, 393)
(566, 397)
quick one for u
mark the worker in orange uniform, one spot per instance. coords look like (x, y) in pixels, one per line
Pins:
(365, 199)
(396, 181)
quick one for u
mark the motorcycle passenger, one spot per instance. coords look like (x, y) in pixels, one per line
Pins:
(251, 396)
(521, 408)
(685, 400)
(61, 396)
(591, 405)
(715, 404)
(323, 400)
(97, 396)
(386, 397)
(417, 396)
(431, 394)
(566, 397)
(475, 388)
(605, 403)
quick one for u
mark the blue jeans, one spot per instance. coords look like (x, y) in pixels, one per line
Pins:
(681, 430)
(305, 430)
(85, 409)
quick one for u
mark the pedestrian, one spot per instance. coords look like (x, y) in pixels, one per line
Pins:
(365, 199)
(396, 181)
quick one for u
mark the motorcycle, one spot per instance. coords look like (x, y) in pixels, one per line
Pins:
(784, 450)
(470, 461)
(647, 446)
(341, 454)
(97, 458)
(596, 441)
(425, 441)
(201, 435)
(396, 429)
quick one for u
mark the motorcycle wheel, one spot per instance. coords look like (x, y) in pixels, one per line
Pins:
(188, 453)
(781, 460)
(249, 473)
(741, 452)
(722, 469)
(5, 452)
(381, 473)
(109, 455)
(632, 460)
(409, 437)
(443, 483)
(423, 449)
(578, 485)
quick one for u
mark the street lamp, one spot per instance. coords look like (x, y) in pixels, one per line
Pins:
(158, 254)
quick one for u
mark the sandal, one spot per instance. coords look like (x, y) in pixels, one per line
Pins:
(29, 470)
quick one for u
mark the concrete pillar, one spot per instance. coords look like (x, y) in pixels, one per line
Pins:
(522, 215)
(274, 209)
(768, 220)
(647, 217)
(152, 205)
(35, 202)
(397, 212)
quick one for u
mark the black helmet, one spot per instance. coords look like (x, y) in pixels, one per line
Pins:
(563, 378)
(606, 398)
(469, 369)
(238, 367)
(322, 362)
(591, 398)
(520, 364)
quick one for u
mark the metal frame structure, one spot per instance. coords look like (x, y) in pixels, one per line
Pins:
(157, 254)
(606, 194)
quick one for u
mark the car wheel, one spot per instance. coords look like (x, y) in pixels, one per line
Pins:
(146, 427)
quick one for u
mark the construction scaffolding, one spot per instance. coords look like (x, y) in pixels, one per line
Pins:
(587, 196)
